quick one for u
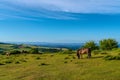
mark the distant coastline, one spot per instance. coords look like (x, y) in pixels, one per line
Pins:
(73, 46)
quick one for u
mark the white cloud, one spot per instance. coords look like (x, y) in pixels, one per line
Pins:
(75, 6)
(60, 8)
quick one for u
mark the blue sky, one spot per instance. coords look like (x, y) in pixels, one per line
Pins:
(59, 20)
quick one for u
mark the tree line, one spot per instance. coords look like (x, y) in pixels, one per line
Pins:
(105, 44)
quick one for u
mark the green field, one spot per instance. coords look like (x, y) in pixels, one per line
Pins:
(58, 67)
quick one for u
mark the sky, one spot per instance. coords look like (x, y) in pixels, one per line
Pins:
(70, 21)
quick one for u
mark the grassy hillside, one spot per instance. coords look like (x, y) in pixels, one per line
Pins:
(20, 47)
(59, 67)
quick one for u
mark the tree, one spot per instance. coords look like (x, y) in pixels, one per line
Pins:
(15, 52)
(91, 44)
(108, 44)
(34, 51)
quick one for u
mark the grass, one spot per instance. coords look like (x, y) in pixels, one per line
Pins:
(58, 67)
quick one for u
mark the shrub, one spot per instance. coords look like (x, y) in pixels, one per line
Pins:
(37, 58)
(117, 57)
(8, 61)
(15, 52)
(42, 64)
(74, 57)
(23, 51)
(65, 62)
(2, 63)
(17, 62)
(71, 60)
(69, 55)
(118, 53)
(91, 44)
(23, 60)
(51, 55)
(103, 53)
(95, 52)
(3, 53)
(66, 58)
(108, 44)
(34, 51)
(50, 50)
(110, 57)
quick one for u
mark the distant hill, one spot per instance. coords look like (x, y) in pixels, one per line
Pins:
(3, 43)
(73, 46)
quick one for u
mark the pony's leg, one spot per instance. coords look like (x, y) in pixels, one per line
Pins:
(81, 56)
(89, 55)
(78, 55)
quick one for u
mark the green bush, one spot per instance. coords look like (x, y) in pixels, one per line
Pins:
(34, 51)
(117, 57)
(108, 44)
(91, 44)
(8, 61)
(67, 58)
(95, 52)
(118, 53)
(110, 57)
(50, 50)
(103, 53)
(43, 64)
(37, 58)
(23, 60)
(74, 57)
(71, 60)
(66, 62)
(17, 62)
(2, 63)
(51, 55)
(15, 52)
(3, 53)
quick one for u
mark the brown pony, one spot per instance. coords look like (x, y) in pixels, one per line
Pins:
(7, 54)
(82, 51)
